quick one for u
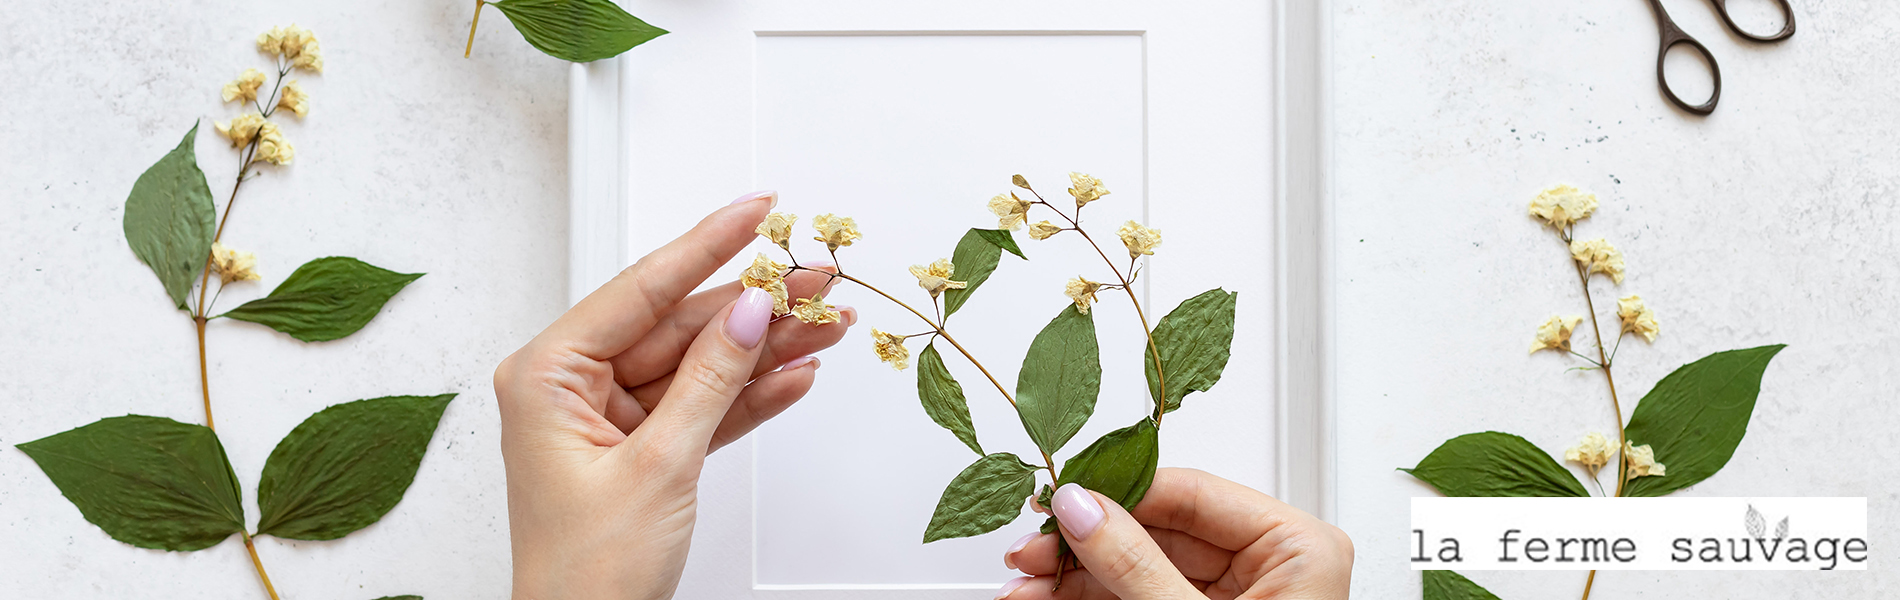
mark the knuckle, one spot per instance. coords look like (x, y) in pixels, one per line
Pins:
(710, 374)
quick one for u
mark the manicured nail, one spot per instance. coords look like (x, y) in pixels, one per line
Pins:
(818, 264)
(800, 362)
(850, 315)
(1078, 510)
(1011, 587)
(1035, 506)
(746, 323)
(1009, 556)
(757, 195)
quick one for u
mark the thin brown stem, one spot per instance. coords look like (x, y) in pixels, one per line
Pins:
(261, 575)
(1588, 583)
(471, 28)
(1161, 381)
(1622, 464)
(204, 373)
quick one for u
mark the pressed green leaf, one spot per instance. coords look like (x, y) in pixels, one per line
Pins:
(1060, 378)
(406, 597)
(1447, 585)
(169, 218)
(1695, 417)
(1120, 464)
(975, 259)
(577, 30)
(147, 481)
(943, 398)
(1495, 464)
(986, 495)
(1048, 525)
(325, 299)
(346, 466)
(1194, 341)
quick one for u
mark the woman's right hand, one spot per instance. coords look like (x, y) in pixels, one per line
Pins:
(1193, 536)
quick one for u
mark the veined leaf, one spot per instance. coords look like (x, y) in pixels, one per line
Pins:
(577, 30)
(1195, 342)
(1695, 417)
(147, 481)
(325, 299)
(975, 259)
(169, 218)
(1495, 464)
(986, 495)
(403, 597)
(346, 466)
(1447, 585)
(943, 398)
(1060, 379)
(1120, 464)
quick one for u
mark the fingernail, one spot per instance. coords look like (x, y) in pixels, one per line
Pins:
(1009, 556)
(1035, 506)
(757, 195)
(850, 315)
(1011, 587)
(746, 323)
(800, 362)
(1078, 510)
(818, 264)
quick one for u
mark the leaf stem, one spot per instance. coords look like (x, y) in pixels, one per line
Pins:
(1588, 583)
(1622, 463)
(204, 374)
(471, 28)
(265, 577)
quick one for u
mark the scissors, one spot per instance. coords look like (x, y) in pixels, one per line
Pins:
(1672, 35)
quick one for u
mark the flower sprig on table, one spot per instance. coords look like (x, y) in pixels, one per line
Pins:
(157, 483)
(1694, 418)
(1060, 378)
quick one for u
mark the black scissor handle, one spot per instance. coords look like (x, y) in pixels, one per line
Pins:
(1787, 15)
(1671, 36)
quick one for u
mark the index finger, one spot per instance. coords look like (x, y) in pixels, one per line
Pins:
(609, 321)
(1224, 513)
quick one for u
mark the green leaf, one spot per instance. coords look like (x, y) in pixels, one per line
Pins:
(1060, 378)
(1695, 417)
(577, 30)
(1495, 464)
(1048, 525)
(169, 219)
(1120, 465)
(1194, 341)
(1447, 585)
(346, 466)
(986, 495)
(943, 397)
(325, 299)
(405, 597)
(975, 259)
(147, 481)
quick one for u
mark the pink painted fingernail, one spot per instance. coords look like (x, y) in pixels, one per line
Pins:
(1078, 511)
(757, 195)
(818, 264)
(850, 315)
(1009, 556)
(746, 323)
(1011, 587)
(800, 362)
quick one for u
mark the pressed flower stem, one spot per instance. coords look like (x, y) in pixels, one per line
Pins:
(198, 315)
(260, 566)
(204, 374)
(1622, 462)
(1588, 583)
(471, 28)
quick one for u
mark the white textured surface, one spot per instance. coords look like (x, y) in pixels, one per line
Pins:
(412, 158)
(1771, 221)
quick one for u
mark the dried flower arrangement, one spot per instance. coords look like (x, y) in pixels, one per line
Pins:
(157, 483)
(1694, 418)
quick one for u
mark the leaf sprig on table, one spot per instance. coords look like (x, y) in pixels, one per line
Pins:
(571, 30)
(154, 482)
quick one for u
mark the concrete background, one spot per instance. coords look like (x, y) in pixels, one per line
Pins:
(1772, 221)
(412, 158)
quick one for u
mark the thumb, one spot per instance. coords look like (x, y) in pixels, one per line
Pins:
(711, 374)
(1116, 549)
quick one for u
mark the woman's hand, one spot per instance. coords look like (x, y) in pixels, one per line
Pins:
(608, 415)
(1193, 536)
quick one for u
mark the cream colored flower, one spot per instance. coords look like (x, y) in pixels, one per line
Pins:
(294, 99)
(1592, 452)
(242, 128)
(233, 266)
(1085, 189)
(778, 228)
(1043, 230)
(1555, 334)
(813, 310)
(1139, 239)
(272, 42)
(936, 277)
(1082, 291)
(296, 44)
(835, 231)
(271, 147)
(1600, 257)
(1562, 206)
(890, 348)
(244, 88)
(1642, 461)
(1011, 212)
(1638, 318)
(768, 275)
(310, 58)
